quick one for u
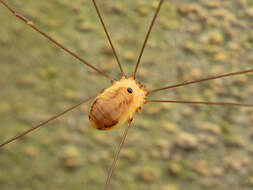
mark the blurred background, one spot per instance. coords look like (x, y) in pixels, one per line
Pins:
(169, 146)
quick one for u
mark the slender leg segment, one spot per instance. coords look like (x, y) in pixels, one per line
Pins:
(146, 38)
(200, 102)
(116, 156)
(109, 38)
(203, 103)
(44, 122)
(201, 80)
(29, 23)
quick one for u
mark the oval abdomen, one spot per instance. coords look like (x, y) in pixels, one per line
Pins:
(107, 110)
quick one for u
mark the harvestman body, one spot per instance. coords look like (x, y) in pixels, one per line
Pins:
(117, 104)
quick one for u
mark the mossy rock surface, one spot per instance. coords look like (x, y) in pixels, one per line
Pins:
(169, 146)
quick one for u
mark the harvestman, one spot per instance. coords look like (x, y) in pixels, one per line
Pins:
(117, 104)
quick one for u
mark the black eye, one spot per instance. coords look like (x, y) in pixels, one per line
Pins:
(129, 90)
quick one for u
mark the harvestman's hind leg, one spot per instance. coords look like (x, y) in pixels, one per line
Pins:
(44, 122)
(122, 141)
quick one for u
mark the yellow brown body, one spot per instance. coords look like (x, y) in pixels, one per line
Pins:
(117, 104)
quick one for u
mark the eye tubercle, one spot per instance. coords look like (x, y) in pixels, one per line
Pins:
(129, 90)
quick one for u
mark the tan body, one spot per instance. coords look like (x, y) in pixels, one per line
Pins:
(117, 104)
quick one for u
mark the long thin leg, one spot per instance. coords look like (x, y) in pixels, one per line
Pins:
(146, 38)
(205, 103)
(116, 156)
(201, 80)
(44, 122)
(29, 23)
(108, 37)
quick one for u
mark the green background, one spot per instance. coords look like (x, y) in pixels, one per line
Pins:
(169, 146)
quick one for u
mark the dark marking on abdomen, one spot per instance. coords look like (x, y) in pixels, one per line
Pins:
(106, 112)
